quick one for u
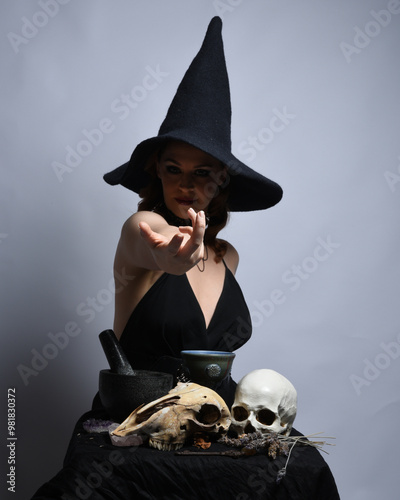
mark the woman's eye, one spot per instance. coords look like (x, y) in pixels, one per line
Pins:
(172, 169)
(202, 172)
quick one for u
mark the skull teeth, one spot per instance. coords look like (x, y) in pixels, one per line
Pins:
(163, 446)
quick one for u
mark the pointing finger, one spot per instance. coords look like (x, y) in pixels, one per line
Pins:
(199, 228)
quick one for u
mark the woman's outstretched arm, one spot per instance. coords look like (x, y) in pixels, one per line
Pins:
(149, 242)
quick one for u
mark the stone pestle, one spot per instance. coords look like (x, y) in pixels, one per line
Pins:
(114, 353)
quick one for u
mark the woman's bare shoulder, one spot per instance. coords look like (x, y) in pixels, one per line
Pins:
(131, 250)
(132, 223)
(231, 256)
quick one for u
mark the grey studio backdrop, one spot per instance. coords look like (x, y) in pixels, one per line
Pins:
(316, 107)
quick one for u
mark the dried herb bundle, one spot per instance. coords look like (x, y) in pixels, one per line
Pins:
(273, 444)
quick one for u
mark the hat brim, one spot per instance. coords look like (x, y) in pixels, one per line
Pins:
(248, 190)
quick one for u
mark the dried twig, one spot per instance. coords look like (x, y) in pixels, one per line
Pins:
(228, 453)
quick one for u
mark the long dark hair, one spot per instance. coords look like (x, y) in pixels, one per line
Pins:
(217, 211)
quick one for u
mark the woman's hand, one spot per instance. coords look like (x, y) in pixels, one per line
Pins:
(178, 253)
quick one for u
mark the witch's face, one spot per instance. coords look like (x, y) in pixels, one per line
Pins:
(189, 177)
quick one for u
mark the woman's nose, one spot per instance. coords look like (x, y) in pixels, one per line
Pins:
(186, 181)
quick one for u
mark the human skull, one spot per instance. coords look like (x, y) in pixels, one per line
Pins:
(170, 420)
(265, 401)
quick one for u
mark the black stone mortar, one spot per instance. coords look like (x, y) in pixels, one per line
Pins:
(121, 394)
(122, 389)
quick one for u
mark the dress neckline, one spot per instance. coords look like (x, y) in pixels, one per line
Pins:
(163, 276)
(207, 327)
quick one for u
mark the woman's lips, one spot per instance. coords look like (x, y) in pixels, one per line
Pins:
(185, 201)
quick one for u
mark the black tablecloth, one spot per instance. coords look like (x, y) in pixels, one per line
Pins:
(95, 469)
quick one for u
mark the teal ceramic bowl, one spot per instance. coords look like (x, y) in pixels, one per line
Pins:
(207, 367)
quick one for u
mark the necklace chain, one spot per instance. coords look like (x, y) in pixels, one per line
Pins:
(203, 260)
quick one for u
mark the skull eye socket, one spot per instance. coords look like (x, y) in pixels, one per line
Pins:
(209, 414)
(266, 417)
(239, 413)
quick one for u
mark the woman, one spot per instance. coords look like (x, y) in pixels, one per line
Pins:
(183, 294)
(151, 244)
(169, 259)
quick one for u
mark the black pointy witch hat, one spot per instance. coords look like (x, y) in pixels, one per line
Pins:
(200, 115)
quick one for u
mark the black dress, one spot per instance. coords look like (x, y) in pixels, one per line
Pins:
(168, 319)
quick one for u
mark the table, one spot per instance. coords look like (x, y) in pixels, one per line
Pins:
(95, 469)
